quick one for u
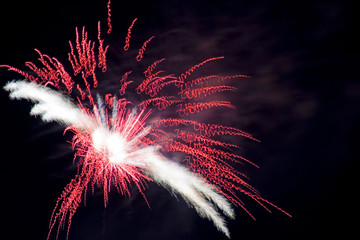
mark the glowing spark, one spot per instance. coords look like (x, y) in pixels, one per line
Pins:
(128, 36)
(142, 49)
(118, 146)
(109, 17)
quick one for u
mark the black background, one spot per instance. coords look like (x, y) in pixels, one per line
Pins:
(302, 102)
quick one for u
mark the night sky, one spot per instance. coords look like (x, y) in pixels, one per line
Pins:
(302, 102)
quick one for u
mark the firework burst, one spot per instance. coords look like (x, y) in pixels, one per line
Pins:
(117, 145)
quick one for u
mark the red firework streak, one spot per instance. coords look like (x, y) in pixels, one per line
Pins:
(204, 155)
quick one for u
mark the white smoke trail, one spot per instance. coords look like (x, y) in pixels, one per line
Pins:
(53, 106)
(193, 189)
(49, 104)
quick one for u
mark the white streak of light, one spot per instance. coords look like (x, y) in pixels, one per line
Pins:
(49, 104)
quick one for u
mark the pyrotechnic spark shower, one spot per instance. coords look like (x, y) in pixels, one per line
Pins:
(118, 143)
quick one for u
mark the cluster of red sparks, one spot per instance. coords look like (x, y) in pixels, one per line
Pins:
(204, 155)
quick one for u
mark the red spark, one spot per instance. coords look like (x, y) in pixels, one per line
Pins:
(142, 49)
(128, 36)
(109, 18)
(206, 156)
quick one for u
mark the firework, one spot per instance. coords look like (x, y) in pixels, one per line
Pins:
(117, 145)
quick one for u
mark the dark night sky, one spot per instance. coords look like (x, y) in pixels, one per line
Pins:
(302, 102)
